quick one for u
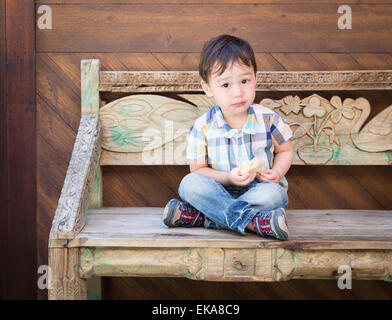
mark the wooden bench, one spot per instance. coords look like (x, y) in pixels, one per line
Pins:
(149, 127)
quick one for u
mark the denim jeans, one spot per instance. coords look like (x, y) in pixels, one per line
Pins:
(231, 207)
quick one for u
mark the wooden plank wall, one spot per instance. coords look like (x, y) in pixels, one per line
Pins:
(153, 35)
(3, 159)
(18, 253)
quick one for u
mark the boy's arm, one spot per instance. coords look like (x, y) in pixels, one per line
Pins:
(283, 159)
(233, 177)
(284, 155)
(221, 176)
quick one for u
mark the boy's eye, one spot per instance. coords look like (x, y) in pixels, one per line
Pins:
(245, 81)
(225, 85)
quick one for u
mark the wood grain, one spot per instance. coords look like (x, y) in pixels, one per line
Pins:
(227, 264)
(89, 86)
(308, 27)
(198, 1)
(3, 159)
(64, 280)
(117, 288)
(21, 252)
(309, 229)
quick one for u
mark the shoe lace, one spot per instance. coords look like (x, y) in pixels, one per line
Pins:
(189, 214)
(264, 222)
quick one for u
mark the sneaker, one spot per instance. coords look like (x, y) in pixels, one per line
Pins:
(271, 224)
(182, 214)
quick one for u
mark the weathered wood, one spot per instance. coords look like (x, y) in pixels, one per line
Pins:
(300, 27)
(75, 196)
(224, 264)
(64, 280)
(89, 86)
(97, 189)
(152, 129)
(309, 230)
(96, 192)
(181, 81)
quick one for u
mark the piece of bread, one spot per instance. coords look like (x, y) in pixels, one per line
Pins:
(254, 165)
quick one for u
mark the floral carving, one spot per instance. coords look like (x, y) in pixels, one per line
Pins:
(328, 130)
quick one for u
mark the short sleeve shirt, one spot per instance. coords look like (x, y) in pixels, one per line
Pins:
(225, 148)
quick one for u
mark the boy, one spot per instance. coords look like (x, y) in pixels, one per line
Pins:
(235, 130)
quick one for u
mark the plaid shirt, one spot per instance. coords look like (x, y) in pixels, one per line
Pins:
(225, 148)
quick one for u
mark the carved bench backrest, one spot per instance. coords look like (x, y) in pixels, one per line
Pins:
(149, 128)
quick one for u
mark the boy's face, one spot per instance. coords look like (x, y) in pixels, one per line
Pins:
(234, 90)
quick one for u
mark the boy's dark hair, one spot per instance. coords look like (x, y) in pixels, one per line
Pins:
(225, 50)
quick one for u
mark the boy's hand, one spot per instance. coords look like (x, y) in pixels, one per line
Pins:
(238, 180)
(268, 175)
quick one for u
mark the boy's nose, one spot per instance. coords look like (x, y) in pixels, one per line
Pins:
(237, 91)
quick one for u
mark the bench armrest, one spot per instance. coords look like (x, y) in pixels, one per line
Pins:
(72, 207)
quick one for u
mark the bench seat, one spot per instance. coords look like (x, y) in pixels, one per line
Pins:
(134, 242)
(309, 229)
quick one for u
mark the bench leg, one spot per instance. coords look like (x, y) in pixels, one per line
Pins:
(65, 283)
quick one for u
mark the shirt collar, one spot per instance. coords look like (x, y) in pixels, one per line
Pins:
(249, 127)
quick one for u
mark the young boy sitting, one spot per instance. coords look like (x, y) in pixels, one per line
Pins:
(234, 131)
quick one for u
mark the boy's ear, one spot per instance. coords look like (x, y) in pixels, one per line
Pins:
(206, 88)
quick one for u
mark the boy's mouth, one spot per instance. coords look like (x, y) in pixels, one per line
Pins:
(240, 104)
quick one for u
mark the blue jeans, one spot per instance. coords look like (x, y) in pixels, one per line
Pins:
(231, 207)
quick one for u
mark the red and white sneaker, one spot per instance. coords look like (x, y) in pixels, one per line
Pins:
(271, 224)
(182, 214)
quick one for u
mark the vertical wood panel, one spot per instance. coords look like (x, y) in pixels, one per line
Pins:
(21, 150)
(3, 159)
